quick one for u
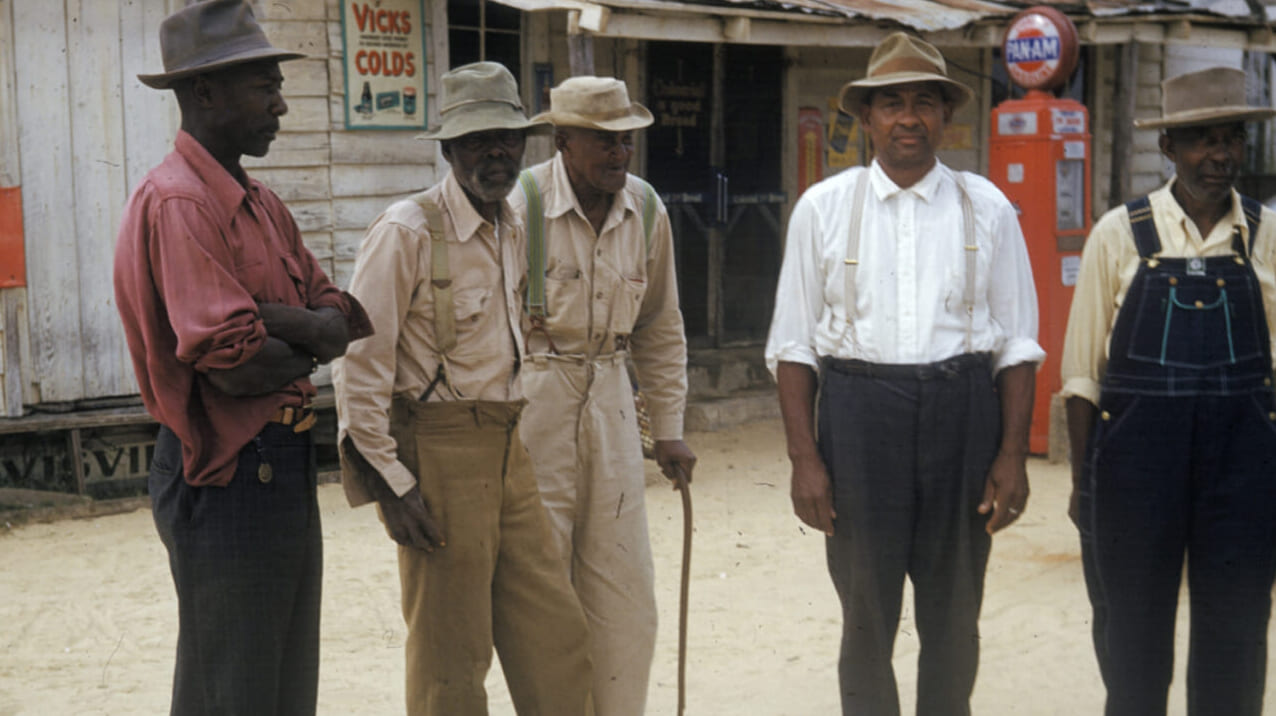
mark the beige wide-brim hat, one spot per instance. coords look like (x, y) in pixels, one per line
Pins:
(903, 59)
(478, 97)
(595, 103)
(1210, 96)
(210, 36)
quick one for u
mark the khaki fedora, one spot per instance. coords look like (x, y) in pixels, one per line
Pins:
(478, 97)
(1211, 96)
(594, 103)
(902, 59)
(210, 36)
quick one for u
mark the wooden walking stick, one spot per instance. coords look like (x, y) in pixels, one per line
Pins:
(685, 489)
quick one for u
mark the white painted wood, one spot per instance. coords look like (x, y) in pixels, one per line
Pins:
(384, 147)
(295, 184)
(293, 149)
(292, 9)
(151, 116)
(47, 181)
(97, 133)
(10, 175)
(384, 180)
(309, 38)
(305, 114)
(305, 78)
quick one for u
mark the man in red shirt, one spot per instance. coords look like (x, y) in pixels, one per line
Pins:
(226, 315)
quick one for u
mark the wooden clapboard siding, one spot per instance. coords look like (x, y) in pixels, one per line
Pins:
(10, 175)
(48, 181)
(96, 110)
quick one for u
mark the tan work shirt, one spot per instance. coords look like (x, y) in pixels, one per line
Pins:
(392, 281)
(1111, 259)
(608, 292)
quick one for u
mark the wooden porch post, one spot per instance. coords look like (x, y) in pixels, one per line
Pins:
(717, 231)
(1125, 82)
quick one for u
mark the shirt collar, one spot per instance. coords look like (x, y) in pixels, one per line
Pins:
(1234, 219)
(885, 188)
(466, 221)
(564, 197)
(226, 193)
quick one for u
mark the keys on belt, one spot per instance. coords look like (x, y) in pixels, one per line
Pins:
(300, 418)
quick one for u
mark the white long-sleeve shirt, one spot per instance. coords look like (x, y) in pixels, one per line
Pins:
(911, 275)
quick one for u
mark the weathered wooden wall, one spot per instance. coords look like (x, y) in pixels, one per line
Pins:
(78, 131)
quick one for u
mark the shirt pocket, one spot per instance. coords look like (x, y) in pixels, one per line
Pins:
(625, 305)
(566, 301)
(252, 276)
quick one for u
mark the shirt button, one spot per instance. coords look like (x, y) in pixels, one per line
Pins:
(1105, 415)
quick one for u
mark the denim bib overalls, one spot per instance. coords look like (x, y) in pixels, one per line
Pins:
(1182, 461)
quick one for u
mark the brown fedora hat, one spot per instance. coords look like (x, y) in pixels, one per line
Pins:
(903, 59)
(210, 36)
(1211, 96)
(594, 103)
(478, 97)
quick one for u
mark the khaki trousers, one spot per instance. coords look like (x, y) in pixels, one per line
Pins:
(582, 432)
(497, 582)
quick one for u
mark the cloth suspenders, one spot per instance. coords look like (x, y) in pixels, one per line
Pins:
(441, 288)
(853, 252)
(1149, 242)
(536, 241)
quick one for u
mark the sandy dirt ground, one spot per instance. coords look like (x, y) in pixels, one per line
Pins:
(88, 617)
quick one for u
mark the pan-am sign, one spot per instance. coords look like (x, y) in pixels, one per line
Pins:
(1040, 48)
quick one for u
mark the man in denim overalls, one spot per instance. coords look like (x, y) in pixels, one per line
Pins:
(1167, 370)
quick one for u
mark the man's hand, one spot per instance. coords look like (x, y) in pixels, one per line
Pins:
(1006, 491)
(812, 494)
(408, 520)
(322, 332)
(672, 455)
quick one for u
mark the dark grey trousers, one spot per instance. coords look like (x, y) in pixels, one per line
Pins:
(247, 562)
(908, 450)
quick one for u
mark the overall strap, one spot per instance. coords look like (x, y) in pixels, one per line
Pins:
(1146, 239)
(440, 287)
(852, 260)
(649, 204)
(535, 246)
(971, 247)
(1253, 211)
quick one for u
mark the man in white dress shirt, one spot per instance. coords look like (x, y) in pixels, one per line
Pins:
(925, 383)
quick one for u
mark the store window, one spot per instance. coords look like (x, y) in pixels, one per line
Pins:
(484, 30)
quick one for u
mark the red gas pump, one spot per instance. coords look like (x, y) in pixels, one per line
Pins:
(1039, 156)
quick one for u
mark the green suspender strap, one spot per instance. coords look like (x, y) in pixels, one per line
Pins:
(536, 240)
(440, 287)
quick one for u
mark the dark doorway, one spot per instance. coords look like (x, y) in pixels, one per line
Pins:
(714, 155)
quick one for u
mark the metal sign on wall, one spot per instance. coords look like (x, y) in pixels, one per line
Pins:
(384, 61)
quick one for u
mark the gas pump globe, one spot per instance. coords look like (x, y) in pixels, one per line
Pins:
(1039, 156)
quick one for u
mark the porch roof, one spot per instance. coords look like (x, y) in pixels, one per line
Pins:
(863, 23)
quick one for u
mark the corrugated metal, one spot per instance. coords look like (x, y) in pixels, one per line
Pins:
(921, 15)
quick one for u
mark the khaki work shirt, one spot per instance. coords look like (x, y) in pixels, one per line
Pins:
(1111, 259)
(608, 292)
(392, 281)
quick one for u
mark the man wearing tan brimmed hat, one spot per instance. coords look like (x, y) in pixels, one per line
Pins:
(1167, 375)
(602, 289)
(227, 314)
(907, 298)
(429, 419)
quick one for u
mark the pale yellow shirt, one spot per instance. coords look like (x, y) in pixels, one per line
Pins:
(601, 287)
(1108, 265)
(392, 281)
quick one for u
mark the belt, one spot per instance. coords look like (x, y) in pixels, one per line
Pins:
(942, 370)
(300, 418)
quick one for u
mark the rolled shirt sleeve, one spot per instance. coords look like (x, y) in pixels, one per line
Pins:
(659, 347)
(384, 279)
(1012, 295)
(799, 293)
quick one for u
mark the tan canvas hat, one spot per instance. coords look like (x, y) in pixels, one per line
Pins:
(478, 97)
(594, 103)
(210, 36)
(901, 59)
(1210, 96)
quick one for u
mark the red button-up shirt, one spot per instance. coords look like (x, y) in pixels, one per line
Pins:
(198, 250)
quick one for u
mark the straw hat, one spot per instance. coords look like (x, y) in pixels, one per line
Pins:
(478, 97)
(901, 59)
(210, 36)
(594, 103)
(1211, 96)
